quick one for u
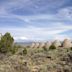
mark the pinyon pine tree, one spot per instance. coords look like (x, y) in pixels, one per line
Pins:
(6, 43)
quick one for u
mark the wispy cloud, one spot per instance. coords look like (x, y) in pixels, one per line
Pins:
(31, 6)
(35, 19)
(35, 33)
(65, 13)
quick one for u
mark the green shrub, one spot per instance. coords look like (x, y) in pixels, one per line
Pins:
(14, 50)
(6, 43)
(52, 47)
(44, 48)
(71, 48)
(25, 51)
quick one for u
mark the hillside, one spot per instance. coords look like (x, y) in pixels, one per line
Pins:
(27, 59)
(50, 56)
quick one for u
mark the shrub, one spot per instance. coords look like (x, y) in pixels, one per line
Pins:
(6, 43)
(44, 48)
(71, 48)
(25, 51)
(52, 47)
(14, 50)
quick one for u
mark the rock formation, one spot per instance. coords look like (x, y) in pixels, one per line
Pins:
(32, 45)
(41, 45)
(67, 43)
(36, 45)
(56, 43)
(48, 44)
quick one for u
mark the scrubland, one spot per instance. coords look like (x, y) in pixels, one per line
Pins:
(40, 59)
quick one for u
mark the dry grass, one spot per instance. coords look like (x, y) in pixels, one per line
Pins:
(38, 60)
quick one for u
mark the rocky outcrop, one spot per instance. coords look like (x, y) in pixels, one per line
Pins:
(36, 45)
(41, 45)
(32, 45)
(67, 43)
(56, 43)
(48, 44)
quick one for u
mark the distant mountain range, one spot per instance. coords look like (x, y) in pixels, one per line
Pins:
(23, 42)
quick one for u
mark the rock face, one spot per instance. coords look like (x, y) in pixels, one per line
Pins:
(32, 45)
(56, 43)
(67, 43)
(36, 45)
(48, 44)
(41, 45)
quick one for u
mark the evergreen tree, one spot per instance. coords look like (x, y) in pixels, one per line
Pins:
(6, 43)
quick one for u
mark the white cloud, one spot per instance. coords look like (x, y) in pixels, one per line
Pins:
(32, 32)
(40, 5)
(63, 14)
(36, 33)
(20, 38)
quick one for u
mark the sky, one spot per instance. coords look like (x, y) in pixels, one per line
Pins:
(37, 20)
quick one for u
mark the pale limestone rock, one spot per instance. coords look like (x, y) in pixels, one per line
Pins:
(32, 45)
(48, 44)
(36, 45)
(41, 45)
(67, 43)
(57, 43)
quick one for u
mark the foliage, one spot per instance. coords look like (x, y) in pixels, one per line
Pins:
(14, 50)
(6, 43)
(44, 48)
(25, 51)
(52, 47)
(71, 48)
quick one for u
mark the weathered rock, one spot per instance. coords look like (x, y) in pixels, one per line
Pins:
(41, 45)
(67, 43)
(32, 45)
(36, 45)
(57, 43)
(48, 44)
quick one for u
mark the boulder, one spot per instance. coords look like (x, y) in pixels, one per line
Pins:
(56, 43)
(36, 45)
(32, 45)
(67, 43)
(41, 45)
(48, 44)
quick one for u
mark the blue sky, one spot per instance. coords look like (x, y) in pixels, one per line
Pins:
(36, 19)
